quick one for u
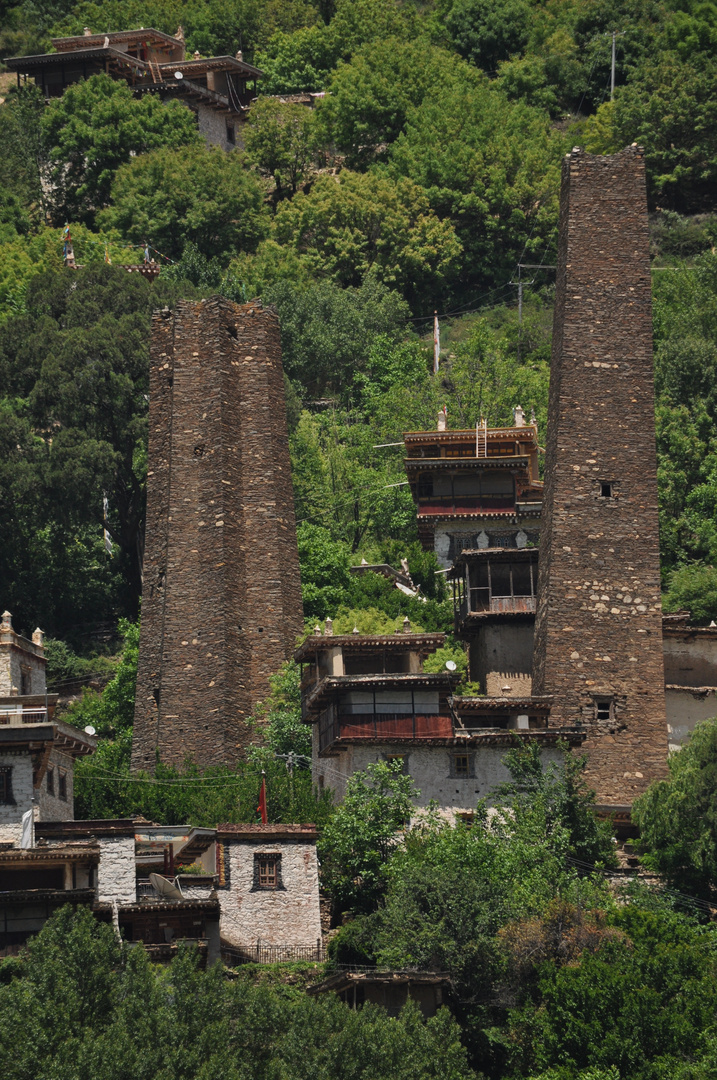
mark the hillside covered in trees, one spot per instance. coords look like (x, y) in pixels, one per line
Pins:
(421, 180)
(426, 178)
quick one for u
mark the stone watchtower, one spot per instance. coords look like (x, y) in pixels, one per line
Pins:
(598, 638)
(221, 601)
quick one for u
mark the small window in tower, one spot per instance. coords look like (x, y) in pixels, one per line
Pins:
(603, 709)
(50, 781)
(62, 784)
(231, 135)
(607, 491)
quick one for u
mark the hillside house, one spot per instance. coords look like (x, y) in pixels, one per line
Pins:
(475, 488)
(218, 89)
(368, 699)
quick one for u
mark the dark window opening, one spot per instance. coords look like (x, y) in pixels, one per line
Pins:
(6, 795)
(25, 682)
(231, 136)
(606, 491)
(62, 784)
(50, 781)
(603, 709)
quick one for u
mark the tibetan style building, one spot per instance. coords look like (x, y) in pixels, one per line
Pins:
(218, 89)
(475, 488)
(369, 699)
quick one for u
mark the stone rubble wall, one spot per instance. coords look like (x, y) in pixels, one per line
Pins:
(221, 604)
(598, 624)
(116, 875)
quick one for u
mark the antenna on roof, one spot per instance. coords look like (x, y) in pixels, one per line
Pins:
(166, 889)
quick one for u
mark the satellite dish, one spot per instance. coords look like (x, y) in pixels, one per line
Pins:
(166, 889)
(89, 730)
(451, 665)
(178, 75)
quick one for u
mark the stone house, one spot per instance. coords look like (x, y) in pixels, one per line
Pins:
(37, 752)
(218, 89)
(368, 699)
(268, 892)
(475, 488)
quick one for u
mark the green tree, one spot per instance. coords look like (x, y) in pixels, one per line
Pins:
(200, 195)
(558, 794)
(669, 108)
(325, 577)
(286, 732)
(488, 33)
(328, 332)
(342, 230)
(693, 587)
(279, 141)
(490, 167)
(370, 95)
(95, 127)
(358, 840)
(75, 372)
(23, 159)
(677, 817)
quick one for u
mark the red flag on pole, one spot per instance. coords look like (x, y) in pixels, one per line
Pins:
(261, 808)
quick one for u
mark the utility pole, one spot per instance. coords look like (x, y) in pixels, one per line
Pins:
(615, 35)
(520, 284)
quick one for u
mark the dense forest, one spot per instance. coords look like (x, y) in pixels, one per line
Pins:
(425, 179)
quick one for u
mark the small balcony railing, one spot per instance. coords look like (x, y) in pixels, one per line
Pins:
(480, 602)
(23, 716)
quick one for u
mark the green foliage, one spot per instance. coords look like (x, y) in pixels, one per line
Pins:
(64, 666)
(449, 889)
(455, 654)
(325, 576)
(615, 1009)
(345, 228)
(170, 796)
(279, 141)
(677, 816)
(371, 95)
(693, 588)
(96, 126)
(23, 151)
(557, 796)
(120, 1017)
(111, 713)
(198, 194)
(488, 33)
(669, 108)
(74, 369)
(369, 620)
(488, 166)
(330, 334)
(359, 837)
(286, 733)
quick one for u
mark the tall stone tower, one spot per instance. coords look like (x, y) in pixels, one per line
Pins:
(221, 602)
(598, 640)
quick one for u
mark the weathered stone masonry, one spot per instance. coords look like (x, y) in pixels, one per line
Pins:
(598, 642)
(221, 603)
